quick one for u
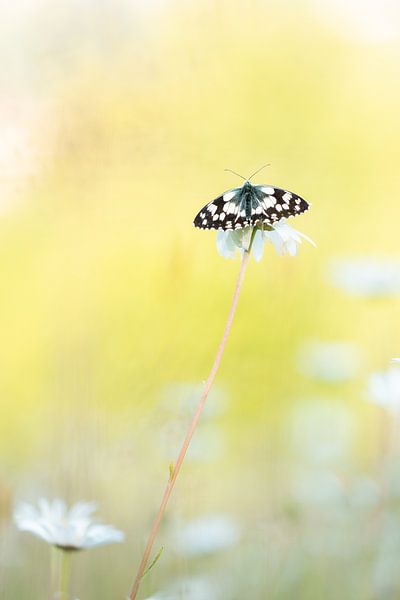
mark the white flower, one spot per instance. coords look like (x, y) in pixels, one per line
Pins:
(384, 388)
(367, 276)
(317, 488)
(329, 361)
(68, 529)
(206, 535)
(321, 432)
(284, 238)
(190, 588)
(229, 241)
(199, 587)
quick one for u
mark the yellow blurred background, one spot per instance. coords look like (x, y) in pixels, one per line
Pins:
(117, 120)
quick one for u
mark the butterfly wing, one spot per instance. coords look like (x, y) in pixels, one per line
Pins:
(220, 213)
(268, 206)
(276, 204)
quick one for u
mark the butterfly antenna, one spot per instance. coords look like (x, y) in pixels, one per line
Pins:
(234, 172)
(260, 169)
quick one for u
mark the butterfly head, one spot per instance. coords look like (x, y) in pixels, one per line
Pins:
(247, 185)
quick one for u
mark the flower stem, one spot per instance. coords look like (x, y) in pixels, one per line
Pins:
(175, 471)
(54, 567)
(65, 564)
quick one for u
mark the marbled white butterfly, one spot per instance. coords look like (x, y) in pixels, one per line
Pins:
(249, 205)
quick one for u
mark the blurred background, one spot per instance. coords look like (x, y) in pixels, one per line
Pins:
(117, 119)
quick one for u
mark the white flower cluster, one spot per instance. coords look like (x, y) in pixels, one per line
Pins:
(67, 529)
(284, 238)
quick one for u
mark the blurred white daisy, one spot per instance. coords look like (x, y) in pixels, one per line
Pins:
(67, 529)
(207, 535)
(284, 238)
(196, 588)
(365, 494)
(329, 361)
(190, 588)
(386, 565)
(384, 388)
(317, 488)
(321, 432)
(367, 276)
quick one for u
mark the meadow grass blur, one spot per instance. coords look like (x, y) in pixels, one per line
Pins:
(117, 121)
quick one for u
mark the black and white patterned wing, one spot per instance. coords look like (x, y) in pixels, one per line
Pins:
(276, 204)
(220, 213)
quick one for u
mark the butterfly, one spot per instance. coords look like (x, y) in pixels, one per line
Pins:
(250, 205)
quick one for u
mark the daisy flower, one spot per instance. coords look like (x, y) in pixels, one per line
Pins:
(67, 529)
(206, 535)
(284, 238)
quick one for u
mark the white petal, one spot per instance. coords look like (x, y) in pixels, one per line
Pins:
(99, 535)
(246, 237)
(291, 247)
(229, 241)
(25, 512)
(237, 237)
(225, 244)
(308, 239)
(81, 510)
(258, 246)
(285, 238)
(274, 237)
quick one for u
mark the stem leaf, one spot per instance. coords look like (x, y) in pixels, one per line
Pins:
(153, 562)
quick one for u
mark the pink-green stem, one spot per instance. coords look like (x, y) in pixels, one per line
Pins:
(175, 472)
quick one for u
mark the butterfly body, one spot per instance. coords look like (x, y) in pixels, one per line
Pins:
(250, 205)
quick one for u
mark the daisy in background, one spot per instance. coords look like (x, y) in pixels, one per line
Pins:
(329, 361)
(384, 389)
(199, 587)
(368, 277)
(67, 529)
(207, 534)
(284, 238)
